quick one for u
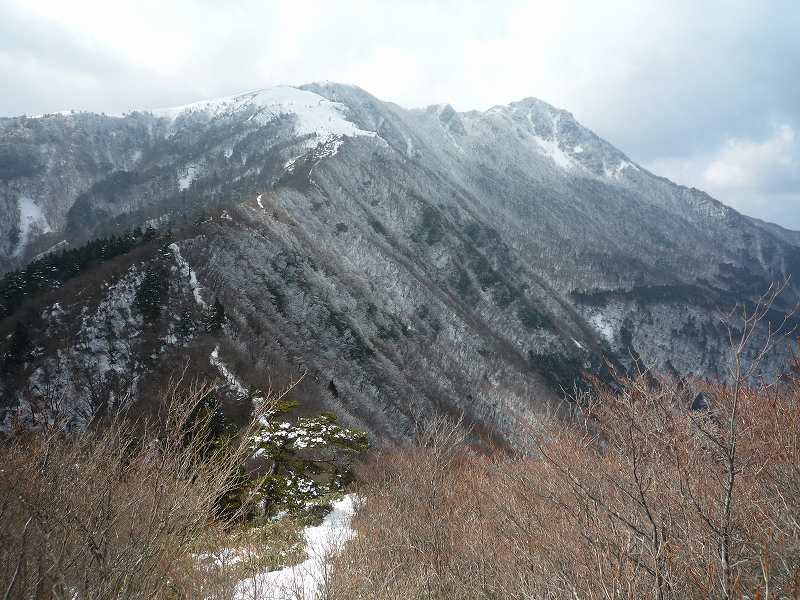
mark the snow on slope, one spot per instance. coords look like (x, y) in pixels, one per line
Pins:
(551, 149)
(31, 221)
(550, 146)
(616, 172)
(303, 581)
(52, 249)
(314, 115)
(604, 325)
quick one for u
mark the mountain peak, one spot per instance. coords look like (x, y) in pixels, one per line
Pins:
(373, 246)
(314, 115)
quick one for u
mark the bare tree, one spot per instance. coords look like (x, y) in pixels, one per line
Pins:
(116, 510)
(663, 488)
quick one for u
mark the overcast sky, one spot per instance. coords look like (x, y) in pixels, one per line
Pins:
(706, 93)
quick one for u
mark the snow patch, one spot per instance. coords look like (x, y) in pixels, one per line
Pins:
(31, 222)
(258, 201)
(603, 326)
(551, 147)
(185, 179)
(304, 580)
(319, 124)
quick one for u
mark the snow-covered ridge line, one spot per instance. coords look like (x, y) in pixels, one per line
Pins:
(315, 115)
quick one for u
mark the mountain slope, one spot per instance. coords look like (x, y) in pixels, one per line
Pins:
(411, 260)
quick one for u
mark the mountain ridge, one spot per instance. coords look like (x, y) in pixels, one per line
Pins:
(420, 260)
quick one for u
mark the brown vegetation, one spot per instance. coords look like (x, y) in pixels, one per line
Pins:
(649, 512)
(657, 488)
(656, 492)
(117, 511)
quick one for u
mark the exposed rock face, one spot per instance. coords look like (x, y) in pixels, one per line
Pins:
(420, 260)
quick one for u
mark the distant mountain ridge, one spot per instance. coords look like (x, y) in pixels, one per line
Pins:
(419, 260)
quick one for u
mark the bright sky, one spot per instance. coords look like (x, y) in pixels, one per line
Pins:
(706, 93)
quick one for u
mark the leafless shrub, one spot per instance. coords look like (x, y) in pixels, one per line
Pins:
(118, 510)
(665, 489)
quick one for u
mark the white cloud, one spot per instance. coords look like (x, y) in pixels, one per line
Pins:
(750, 164)
(576, 54)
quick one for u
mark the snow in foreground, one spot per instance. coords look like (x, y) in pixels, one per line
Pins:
(303, 581)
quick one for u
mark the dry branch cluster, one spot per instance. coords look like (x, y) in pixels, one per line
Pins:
(119, 510)
(660, 489)
(647, 511)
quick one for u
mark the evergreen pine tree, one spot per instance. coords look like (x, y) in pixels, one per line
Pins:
(310, 459)
(152, 292)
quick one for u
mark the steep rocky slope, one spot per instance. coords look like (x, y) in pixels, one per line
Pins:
(410, 260)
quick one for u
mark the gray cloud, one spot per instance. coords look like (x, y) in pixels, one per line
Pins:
(686, 88)
(759, 177)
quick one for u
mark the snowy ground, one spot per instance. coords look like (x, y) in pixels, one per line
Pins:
(303, 581)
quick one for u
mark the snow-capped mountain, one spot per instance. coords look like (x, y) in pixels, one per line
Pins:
(411, 260)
